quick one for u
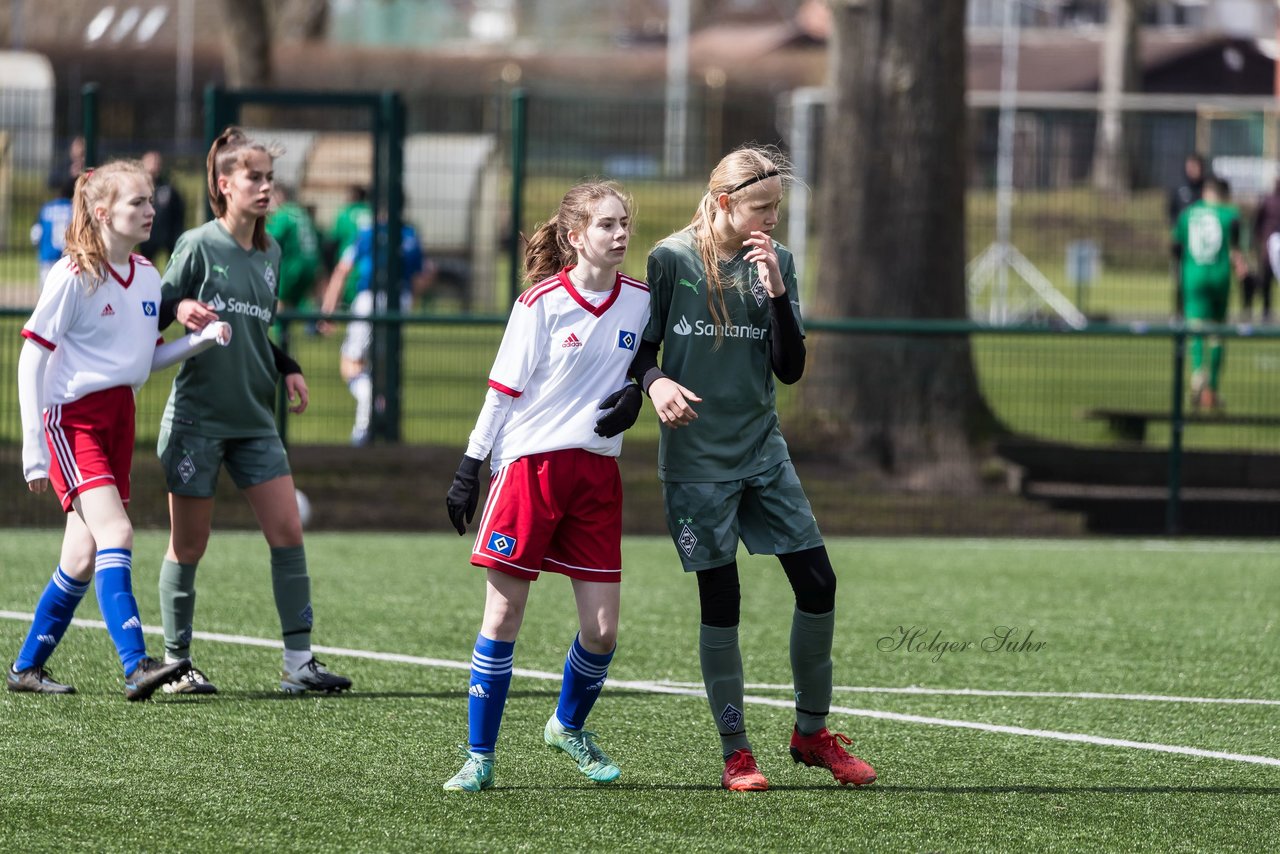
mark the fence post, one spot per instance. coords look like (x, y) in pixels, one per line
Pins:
(89, 123)
(1173, 509)
(388, 356)
(519, 137)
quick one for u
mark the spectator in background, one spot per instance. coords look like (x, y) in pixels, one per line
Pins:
(1206, 241)
(1180, 197)
(291, 226)
(417, 273)
(49, 232)
(355, 216)
(1266, 241)
(171, 210)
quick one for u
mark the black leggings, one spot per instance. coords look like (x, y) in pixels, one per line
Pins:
(813, 582)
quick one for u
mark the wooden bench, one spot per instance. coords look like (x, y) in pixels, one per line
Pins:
(1130, 425)
(1125, 489)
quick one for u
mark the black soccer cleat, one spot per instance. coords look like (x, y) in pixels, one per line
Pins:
(35, 680)
(313, 676)
(149, 675)
(191, 682)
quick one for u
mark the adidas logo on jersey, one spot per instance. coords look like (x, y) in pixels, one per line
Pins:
(132, 623)
(477, 690)
(571, 341)
(108, 311)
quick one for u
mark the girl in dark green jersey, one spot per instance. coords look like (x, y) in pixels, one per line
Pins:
(221, 412)
(724, 310)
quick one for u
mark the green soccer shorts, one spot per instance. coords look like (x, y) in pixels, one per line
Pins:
(1207, 303)
(769, 512)
(191, 462)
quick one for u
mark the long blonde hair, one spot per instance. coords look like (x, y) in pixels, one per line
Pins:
(94, 188)
(226, 155)
(548, 250)
(737, 170)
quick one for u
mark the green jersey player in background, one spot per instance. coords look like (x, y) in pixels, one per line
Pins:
(724, 311)
(1206, 240)
(221, 412)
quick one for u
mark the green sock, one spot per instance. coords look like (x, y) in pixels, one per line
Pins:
(177, 606)
(1197, 353)
(292, 587)
(722, 674)
(1215, 361)
(811, 668)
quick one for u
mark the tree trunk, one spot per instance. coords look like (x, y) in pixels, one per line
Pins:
(1120, 74)
(892, 205)
(246, 43)
(302, 20)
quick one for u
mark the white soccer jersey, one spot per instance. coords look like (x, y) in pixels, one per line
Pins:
(99, 340)
(560, 356)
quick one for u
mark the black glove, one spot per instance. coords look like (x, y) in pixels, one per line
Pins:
(623, 409)
(464, 494)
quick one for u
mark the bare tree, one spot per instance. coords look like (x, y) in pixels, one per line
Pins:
(246, 43)
(1120, 74)
(892, 207)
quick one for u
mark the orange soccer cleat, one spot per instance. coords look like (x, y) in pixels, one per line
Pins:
(741, 774)
(824, 749)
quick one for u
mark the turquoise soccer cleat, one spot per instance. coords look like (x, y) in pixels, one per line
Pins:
(476, 773)
(580, 745)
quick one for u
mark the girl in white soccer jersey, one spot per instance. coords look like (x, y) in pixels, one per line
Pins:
(221, 413)
(726, 314)
(555, 500)
(90, 343)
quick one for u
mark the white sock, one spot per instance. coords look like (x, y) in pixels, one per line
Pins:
(170, 658)
(361, 388)
(295, 658)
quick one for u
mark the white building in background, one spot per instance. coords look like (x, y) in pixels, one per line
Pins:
(1252, 18)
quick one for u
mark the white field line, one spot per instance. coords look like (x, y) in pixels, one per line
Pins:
(978, 692)
(697, 691)
(1052, 545)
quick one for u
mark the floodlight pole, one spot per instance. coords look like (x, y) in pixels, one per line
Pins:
(997, 259)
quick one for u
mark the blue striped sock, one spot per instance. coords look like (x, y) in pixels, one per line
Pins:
(113, 579)
(584, 675)
(487, 694)
(53, 614)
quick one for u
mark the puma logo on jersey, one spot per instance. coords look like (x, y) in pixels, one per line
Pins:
(693, 286)
(220, 270)
(572, 341)
(108, 311)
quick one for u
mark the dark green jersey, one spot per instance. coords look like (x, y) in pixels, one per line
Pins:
(226, 392)
(736, 432)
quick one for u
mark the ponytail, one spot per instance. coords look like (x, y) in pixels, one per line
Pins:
(226, 155)
(547, 252)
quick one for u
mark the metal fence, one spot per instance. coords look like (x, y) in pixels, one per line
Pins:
(478, 171)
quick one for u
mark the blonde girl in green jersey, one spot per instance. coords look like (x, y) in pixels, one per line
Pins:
(221, 412)
(725, 313)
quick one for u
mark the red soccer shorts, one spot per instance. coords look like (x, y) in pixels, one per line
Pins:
(555, 512)
(91, 443)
